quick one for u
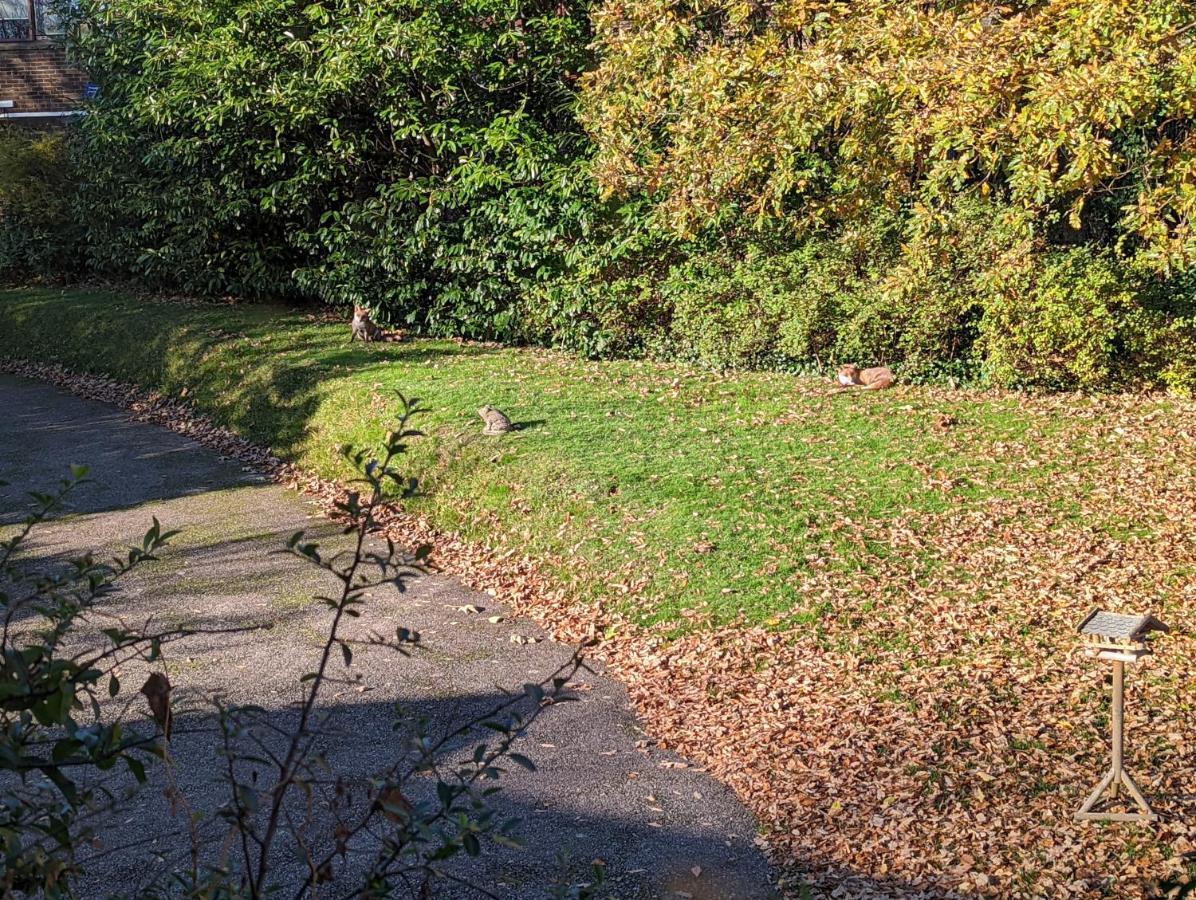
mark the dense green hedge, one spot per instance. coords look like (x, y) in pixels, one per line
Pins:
(970, 303)
(426, 158)
(418, 157)
(39, 236)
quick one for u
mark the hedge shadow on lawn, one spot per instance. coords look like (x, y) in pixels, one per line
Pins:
(257, 368)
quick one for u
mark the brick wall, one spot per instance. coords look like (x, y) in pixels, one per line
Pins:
(35, 76)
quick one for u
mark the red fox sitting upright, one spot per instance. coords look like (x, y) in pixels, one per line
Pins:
(363, 327)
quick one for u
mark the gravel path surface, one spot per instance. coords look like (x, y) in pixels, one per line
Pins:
(663, 829)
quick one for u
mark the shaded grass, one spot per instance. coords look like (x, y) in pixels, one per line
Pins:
(677, 489)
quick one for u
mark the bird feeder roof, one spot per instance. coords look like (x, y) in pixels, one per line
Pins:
(1118, 627)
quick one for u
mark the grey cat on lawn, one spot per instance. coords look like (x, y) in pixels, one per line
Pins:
(496, 421)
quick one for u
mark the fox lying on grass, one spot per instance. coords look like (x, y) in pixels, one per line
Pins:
(875, 379)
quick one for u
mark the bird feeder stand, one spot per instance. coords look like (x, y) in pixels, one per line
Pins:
(1119, 639)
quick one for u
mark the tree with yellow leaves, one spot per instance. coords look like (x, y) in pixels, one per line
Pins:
(1016, 132)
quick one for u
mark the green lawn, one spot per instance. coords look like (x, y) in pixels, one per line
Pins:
(681, 489)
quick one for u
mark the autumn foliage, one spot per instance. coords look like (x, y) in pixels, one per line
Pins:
(1004, 139)
(828, 109)
(992, 193)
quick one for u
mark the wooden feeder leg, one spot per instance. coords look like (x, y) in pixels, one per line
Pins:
(1117, 776)
(1098, 792)
(1137, 795)
(1118, 726)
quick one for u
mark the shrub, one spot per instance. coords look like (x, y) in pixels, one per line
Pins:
(51, 731)
(38, 233)
(760, 307)
(419, 157)
(828, 111)
(1079, 320)
(738, 122)
(602, 301)
(963, 294)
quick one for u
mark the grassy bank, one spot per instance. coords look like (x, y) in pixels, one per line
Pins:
(677, 488)
(868, 599)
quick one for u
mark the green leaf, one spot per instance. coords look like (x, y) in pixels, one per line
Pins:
(136, 767)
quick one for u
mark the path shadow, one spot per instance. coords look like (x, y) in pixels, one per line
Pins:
(43, 430)
(668, 852)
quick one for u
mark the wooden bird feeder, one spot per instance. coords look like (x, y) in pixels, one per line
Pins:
(1119, 639)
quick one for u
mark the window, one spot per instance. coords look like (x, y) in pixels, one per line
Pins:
(28, 20)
